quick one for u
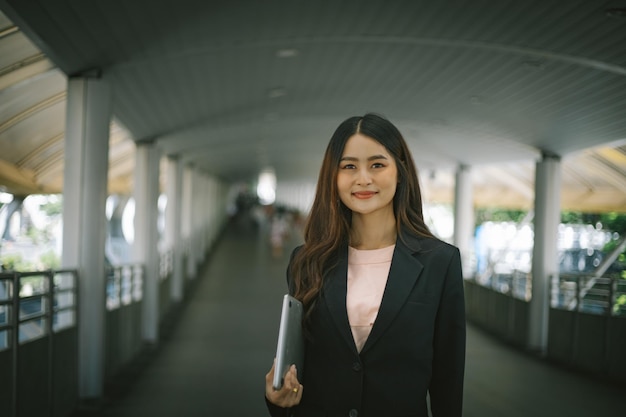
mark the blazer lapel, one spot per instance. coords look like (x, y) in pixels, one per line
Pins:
(403, 274)
(335, 290)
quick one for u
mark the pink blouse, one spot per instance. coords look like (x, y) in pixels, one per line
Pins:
(367, 276)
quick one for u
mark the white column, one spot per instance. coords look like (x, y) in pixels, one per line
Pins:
(173, 236)
(197, 219)
(464, 217)
(199, 215)
(545, 251)
(202, 216)
(212, 215)
(187, 224)
(88, 118)
(145, 246)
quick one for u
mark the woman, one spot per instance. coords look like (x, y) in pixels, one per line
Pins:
(383, 298)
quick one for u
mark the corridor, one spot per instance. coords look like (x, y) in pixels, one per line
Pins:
(212, 361)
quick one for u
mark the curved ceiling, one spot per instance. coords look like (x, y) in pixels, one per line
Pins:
(236, 87)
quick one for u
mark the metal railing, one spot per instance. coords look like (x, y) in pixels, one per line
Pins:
(517, 284)
(124, 285)
(604, 295)
(584, 293)
(166, 264)
(35, 305)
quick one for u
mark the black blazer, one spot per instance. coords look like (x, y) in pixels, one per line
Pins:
(416, 346)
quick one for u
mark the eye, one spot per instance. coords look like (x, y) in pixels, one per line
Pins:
(378, 165)
(347, 166)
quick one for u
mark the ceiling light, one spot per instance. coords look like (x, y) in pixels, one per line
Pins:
(277, 92)
(287, 53)
(266, 186)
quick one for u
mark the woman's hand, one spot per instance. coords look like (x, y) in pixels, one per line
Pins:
(291, 392)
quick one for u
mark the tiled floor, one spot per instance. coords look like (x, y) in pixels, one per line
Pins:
(212, 363)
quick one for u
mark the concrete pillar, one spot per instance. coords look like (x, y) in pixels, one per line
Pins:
(88, 118)
(186, 224)
(464, 217)
(212, 217)
(197, 209)
(145, 246)
(203, 208)
(173, 233)
(545, 251)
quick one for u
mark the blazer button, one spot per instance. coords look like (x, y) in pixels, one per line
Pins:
(353, 413)
(356, 367)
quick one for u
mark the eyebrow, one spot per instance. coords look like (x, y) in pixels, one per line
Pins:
(371, 158)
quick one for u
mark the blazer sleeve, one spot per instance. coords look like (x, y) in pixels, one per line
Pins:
(446, 388)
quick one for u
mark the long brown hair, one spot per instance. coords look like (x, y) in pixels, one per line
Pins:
(328, 224)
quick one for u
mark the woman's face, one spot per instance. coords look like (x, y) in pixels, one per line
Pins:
(367, 176)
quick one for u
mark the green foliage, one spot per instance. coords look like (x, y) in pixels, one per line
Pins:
(15, 262)
(613, 221)
(484, 215)
(33, 234)
(50, 260)
(52, 208)
(620, 303)
(620, 262)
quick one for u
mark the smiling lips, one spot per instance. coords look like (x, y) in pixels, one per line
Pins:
(364, 195)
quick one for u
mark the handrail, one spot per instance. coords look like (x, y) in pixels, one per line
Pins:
(584, 293)
(516, 284)
(602, 268)
(124, 285)
(166, 263)
(492, 262)
(56, 295)
(589, 293)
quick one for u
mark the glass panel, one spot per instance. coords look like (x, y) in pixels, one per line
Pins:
(126, 285)
(564, 292)
(113, 288)
(32, 306)
(5, 290)
(4, 339)
(4, 315)
(63, 300)
(64, 281)
(137, 283)
(63, 320)
(33, 285)
(32, 329)
(595, 295)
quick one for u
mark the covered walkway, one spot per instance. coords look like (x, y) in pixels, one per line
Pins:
(165, 109)
(213, 361)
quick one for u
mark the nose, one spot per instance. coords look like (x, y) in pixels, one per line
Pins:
(364, 177)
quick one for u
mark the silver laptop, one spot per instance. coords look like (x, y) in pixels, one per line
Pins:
(290, 346)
